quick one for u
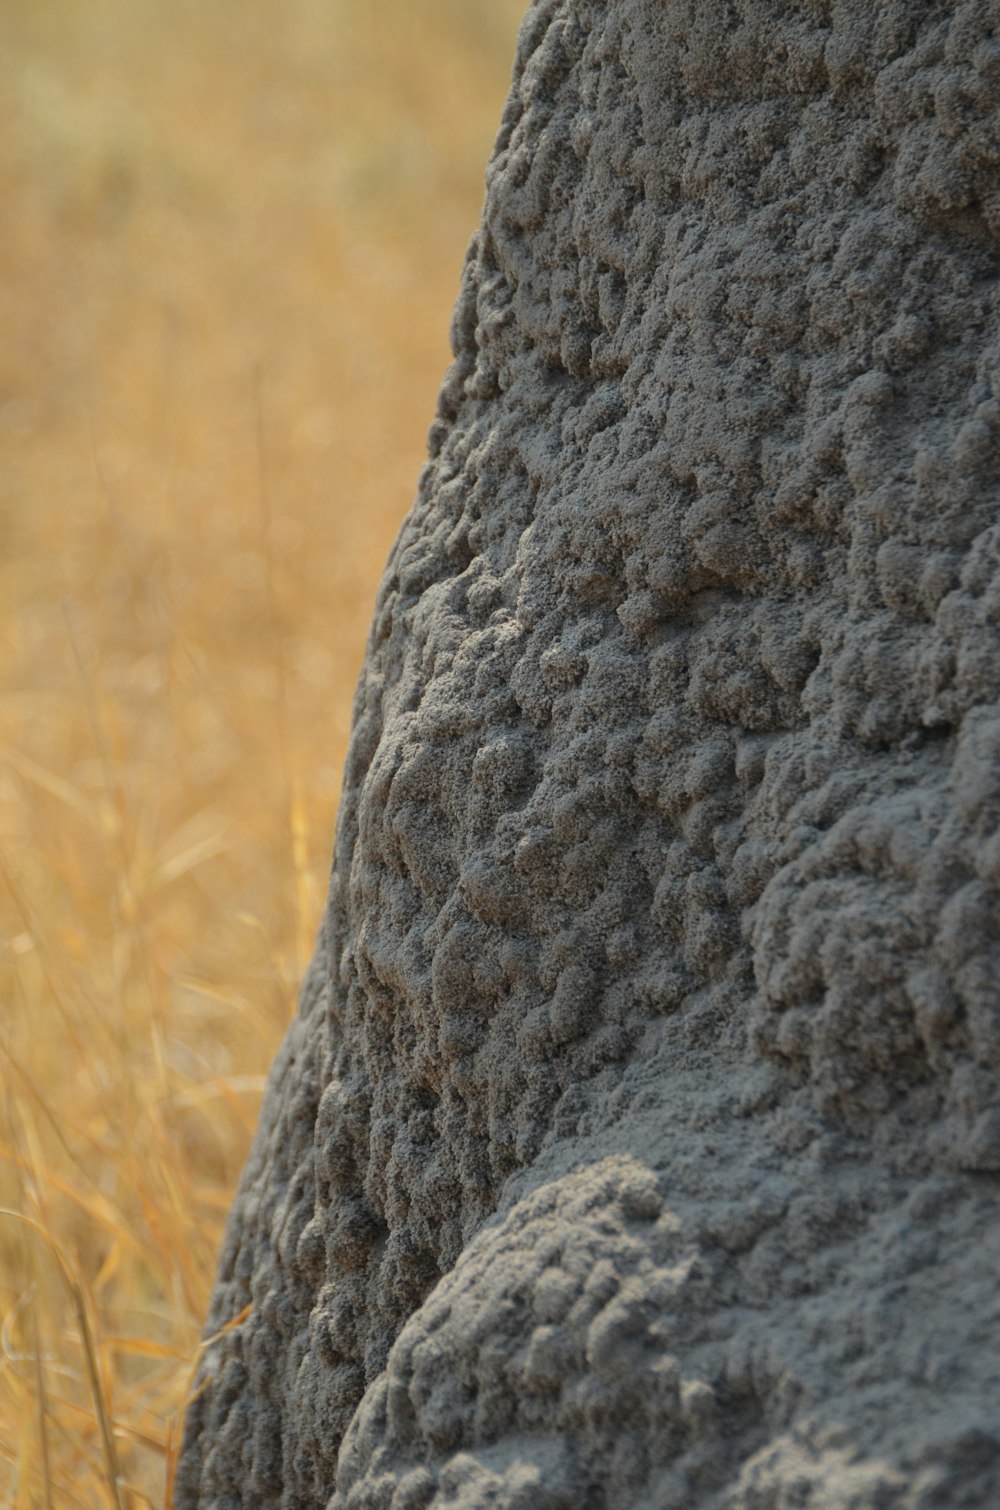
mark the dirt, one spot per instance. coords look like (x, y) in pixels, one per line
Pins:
(638, 1140)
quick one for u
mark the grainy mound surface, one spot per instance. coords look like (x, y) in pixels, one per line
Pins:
(638, 1141)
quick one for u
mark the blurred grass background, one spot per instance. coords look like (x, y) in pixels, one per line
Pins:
(230, 237)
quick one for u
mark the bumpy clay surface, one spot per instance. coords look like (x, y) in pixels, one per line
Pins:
(637, 1146)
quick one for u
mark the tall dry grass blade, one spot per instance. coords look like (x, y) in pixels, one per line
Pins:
(122, 1428)
(136, 1493)
(43, 1404)
(29, 1164)
(49, 782)
(266, 530)
(173, 1452)
(39, 1099)
(91, 702)
(32, 928)
(22, 1490)
(297, 824)
(55, 1124)
(99, 1209)
(8, 1350)
(78, 1298)
(97, 1386)
(305, 909)
(110, 1266)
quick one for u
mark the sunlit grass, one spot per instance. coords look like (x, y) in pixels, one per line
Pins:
(230, 236)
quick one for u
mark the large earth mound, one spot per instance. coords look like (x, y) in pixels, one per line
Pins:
(638, 1140)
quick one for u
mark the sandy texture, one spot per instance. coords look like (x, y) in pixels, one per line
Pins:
(638, 1143)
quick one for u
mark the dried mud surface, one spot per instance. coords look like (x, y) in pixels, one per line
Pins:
(638, 1140)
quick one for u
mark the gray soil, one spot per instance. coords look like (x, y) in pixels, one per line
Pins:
(637, 1146)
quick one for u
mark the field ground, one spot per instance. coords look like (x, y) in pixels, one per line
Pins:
(230, 237)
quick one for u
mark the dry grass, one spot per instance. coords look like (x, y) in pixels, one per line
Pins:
(230, 236)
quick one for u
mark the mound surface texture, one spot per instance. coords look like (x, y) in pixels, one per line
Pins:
(637, 1146)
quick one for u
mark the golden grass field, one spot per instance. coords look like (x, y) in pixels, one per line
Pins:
(230, 236)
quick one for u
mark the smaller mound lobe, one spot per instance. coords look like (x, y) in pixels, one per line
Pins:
(598, 1344)
(681, 697)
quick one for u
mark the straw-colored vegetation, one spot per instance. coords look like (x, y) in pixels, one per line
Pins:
(230, 235)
